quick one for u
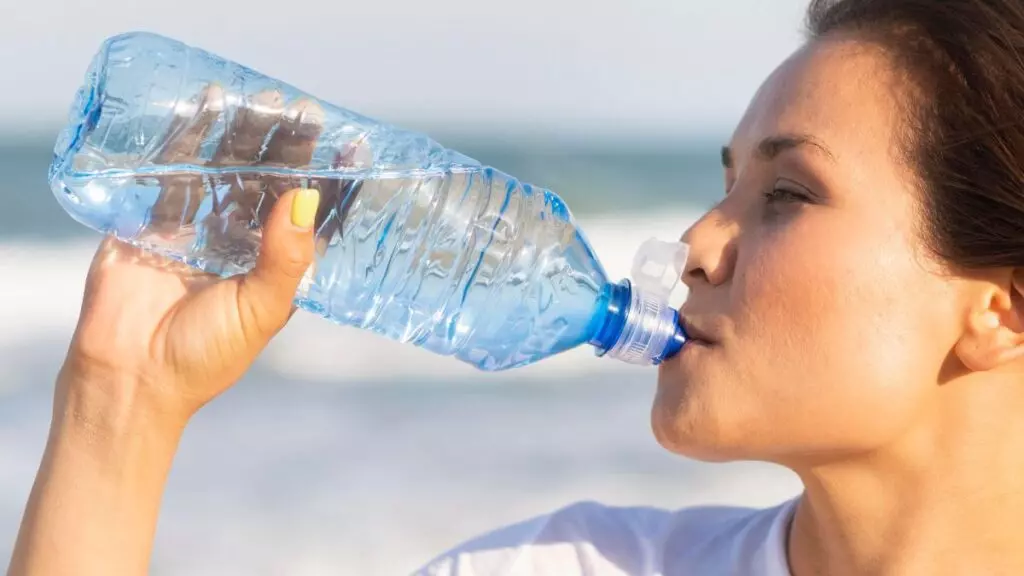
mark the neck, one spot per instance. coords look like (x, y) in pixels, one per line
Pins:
(947, 498)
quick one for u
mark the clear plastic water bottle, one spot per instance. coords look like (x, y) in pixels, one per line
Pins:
(183, 153)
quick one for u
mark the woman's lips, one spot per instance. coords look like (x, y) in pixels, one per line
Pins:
(694, 333)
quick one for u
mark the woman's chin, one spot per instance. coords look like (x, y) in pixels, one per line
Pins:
(691, 443)
(691, 416)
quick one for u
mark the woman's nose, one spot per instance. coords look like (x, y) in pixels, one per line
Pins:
(712, 241)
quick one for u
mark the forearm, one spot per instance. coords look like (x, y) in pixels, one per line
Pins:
(94, 506)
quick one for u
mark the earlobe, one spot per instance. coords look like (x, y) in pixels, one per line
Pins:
(994, 332)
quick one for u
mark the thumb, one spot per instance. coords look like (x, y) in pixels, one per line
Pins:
(265, 294)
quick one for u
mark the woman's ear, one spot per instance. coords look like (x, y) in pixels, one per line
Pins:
(994, 331)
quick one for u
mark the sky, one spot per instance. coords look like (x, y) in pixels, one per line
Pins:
(567, 66)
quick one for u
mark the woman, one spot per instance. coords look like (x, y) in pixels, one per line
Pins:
(857, 304)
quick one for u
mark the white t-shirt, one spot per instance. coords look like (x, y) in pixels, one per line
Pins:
(590, 539)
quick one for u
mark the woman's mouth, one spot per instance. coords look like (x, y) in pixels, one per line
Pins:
(694, 334)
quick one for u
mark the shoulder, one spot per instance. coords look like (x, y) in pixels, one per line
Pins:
(592, 539)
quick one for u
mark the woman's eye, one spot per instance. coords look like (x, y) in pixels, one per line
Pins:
(786, 197)
(782, 195)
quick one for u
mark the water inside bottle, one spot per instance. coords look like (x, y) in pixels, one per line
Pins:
(464, 261)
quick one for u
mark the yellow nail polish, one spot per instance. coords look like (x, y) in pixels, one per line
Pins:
(304, 206)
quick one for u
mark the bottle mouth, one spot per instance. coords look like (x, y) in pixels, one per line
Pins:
(639, 328)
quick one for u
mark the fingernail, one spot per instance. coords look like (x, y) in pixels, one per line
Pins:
(304, 206)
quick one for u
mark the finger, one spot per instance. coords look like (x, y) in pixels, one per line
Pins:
(177, 204)
(248, 130)
(292, 145)
(295, 139)
(243, 144)
(191, 124)
(181, 195)
(266, 295)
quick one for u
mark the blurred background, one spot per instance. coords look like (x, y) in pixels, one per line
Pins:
(343, 453)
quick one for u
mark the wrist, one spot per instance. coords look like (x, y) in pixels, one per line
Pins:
(108, 405)
(94, 505)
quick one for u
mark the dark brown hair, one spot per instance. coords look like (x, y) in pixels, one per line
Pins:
(965, 118)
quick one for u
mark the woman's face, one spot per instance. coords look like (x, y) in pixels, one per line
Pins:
(828, 322)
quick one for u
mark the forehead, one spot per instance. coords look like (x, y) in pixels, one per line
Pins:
(841, 91)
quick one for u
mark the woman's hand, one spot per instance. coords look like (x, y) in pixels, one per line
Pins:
(156, 340)
(181, 336)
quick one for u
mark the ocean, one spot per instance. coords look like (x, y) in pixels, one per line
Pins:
(342, 453)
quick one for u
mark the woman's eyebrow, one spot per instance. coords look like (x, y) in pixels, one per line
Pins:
(774, 145)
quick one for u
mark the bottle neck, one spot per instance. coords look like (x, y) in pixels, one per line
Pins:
(636, 328)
